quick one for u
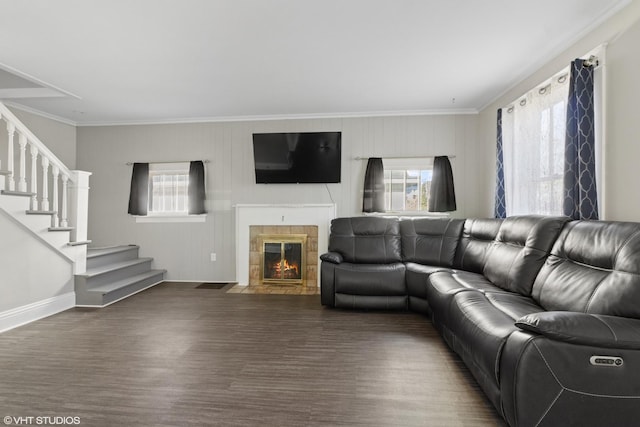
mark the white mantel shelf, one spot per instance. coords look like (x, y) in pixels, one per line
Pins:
(278, 214)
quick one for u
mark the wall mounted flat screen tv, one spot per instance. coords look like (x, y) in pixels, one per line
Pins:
(303, 157)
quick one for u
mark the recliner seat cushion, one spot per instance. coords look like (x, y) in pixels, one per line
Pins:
(444, 285)
(417, 277)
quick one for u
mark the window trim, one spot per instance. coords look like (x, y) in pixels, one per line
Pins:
(170, 218)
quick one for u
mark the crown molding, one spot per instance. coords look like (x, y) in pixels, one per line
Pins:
(254, 118)
(223, 119)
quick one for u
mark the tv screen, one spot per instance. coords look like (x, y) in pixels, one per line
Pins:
(303, 157)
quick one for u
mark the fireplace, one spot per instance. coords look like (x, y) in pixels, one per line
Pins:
(282, 258)
(283, 232)
(314, 220)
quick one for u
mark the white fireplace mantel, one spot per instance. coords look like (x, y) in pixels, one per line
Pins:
(281, 214)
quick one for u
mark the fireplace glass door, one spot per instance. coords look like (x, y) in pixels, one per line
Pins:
(283, 259)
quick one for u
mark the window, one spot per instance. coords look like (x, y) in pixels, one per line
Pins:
(533, 142)
(407, 183)
(168, 192)
(168, 188)
(537, 146)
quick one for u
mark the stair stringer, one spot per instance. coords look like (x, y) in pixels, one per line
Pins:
(14, 208)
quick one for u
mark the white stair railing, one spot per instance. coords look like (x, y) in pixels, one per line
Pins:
(65, 185)
(10, 182)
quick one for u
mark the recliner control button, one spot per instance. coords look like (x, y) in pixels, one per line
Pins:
(606, 361)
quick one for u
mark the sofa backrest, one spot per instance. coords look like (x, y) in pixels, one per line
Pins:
(430, 241)
(520, 249)
(364, 240)
(477, 237)
(594, 267)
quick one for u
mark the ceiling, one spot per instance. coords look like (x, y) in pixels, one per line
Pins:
(150, 61)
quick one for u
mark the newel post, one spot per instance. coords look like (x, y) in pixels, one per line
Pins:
(79, 205)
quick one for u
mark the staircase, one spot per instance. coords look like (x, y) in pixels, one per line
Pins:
(39, 194)
(112, 274)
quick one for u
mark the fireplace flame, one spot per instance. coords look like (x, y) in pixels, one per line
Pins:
(291, 270)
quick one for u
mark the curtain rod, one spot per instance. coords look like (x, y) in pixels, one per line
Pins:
(174, 161)
(592, 61)
(394, 158)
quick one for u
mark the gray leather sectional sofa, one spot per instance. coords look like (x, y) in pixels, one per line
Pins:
(544, 311)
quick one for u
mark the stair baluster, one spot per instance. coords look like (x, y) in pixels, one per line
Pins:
(34, 178)
(10, 183)
(44, 201)
(63, 219)
(22, 183)
(55, 220)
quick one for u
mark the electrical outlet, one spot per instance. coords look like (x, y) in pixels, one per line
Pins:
(213, 256)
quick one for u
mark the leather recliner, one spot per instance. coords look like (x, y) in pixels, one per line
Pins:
(545, 312)
(364, 268)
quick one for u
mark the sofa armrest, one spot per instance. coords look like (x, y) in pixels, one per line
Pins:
(584, 329)
(332, 257)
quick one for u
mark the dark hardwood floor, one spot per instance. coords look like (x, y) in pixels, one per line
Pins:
(179, 356)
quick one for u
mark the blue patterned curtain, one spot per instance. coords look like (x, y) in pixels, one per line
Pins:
(500, 207)
(580, 195)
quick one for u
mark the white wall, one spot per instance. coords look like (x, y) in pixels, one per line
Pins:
(622, 196)
(621, 33)
(183, 249)
(30, 270)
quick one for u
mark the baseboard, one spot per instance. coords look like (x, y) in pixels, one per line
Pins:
(19, 316)
(200, 281)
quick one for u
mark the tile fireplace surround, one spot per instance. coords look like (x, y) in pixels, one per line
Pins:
(311, 249)
(307, 219)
